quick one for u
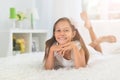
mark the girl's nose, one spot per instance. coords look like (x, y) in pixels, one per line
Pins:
(62, 33)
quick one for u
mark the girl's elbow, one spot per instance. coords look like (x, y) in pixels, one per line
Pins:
(80, 66)
(77, 67)
(48, 67)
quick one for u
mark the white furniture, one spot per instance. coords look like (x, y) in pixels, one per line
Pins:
(30, 36)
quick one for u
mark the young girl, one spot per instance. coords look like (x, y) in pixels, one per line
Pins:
(66, 48)
(95, 42)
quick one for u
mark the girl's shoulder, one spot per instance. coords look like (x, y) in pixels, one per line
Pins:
(77, 43)
(55, 43)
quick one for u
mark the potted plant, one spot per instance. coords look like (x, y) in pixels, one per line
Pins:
(20, 17)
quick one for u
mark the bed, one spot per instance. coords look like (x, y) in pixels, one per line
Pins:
(29, 67)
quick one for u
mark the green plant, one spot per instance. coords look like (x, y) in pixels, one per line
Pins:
(20, 16)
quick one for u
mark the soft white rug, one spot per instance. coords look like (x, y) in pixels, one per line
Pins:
(29, 67)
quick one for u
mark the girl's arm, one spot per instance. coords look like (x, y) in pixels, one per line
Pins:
(79, 57)
(49, 63)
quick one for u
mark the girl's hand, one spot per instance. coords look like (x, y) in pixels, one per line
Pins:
(56, 48)
(67, 47)
(62, 49)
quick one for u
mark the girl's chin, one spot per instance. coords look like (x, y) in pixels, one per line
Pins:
(61, 43)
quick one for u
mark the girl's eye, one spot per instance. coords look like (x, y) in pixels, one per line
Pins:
(57, 30)
(66, 30)
(61, 30)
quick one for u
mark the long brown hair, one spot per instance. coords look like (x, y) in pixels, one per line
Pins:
(78, 37)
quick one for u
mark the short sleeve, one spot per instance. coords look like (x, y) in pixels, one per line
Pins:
(78, 44)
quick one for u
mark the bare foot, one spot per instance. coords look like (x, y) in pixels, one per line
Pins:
(85, 18)
(109, 38)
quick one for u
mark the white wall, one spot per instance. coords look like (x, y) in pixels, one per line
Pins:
(45, 10)
(67, 8)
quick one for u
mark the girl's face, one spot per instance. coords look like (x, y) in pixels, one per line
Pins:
(63, 32)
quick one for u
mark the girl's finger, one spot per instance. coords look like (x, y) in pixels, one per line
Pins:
(63, 53)
(60, 52)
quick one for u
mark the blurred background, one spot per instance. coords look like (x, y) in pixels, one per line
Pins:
(104, 16)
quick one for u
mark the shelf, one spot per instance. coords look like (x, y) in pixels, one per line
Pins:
(27, 31)
(34, 40)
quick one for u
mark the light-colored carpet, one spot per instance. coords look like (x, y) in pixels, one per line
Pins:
(29, 67)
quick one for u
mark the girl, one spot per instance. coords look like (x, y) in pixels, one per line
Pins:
(66, 48)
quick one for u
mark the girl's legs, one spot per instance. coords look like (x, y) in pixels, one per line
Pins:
(96, 41)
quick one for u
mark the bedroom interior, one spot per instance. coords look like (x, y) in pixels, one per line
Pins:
(22, 48)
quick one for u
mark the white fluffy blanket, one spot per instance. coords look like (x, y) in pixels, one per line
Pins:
(29, 67)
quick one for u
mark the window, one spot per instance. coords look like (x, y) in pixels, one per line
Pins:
(102, 9)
